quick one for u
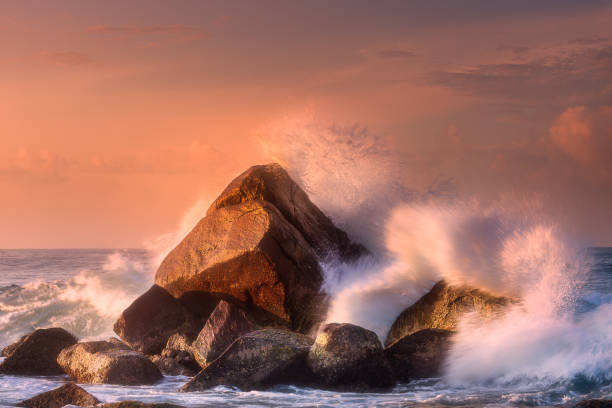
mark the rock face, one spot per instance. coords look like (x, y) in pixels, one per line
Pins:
(226, 323)
(151, 319)
(249, 252)
(349, 357)
(419, 355)
(36, 353)
(257, 360)
(101, 362)
(69, 394)
(271, 183)
(442, 307)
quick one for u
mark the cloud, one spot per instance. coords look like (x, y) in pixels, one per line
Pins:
(594, 39)
(37, 165)
(581, 72)
(180, 31)
(66, 58)
(520, 52)
(585, 135)
(395, 54)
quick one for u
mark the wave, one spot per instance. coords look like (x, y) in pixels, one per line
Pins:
(86, 304)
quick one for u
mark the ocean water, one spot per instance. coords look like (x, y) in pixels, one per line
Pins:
(556, 361)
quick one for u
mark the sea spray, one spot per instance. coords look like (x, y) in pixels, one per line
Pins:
(86, 304)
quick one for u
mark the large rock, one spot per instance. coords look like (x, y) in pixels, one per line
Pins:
(271, 183)
(419, 355)
(226, 323)
(36, 353)
(68, 394)
(151, 319)
(349, 357)
(257, 360)
(443, 307)
(250, 253)
(101, 362)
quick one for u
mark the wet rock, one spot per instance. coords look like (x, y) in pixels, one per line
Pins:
(226, 323)
(68, 394)
(349, 357)
(251, 254)
(176, 362)
(101, 362)
(257, 360)
(271, 183)
(36, 353)
(151, 319)
(10, 349)
(442, 308)
(419, 355)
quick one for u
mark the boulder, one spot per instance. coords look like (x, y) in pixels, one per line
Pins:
(10, 349)
(419, 355)
(176, 362)
(226, 323)
(443, 307)
(151, 319)
(271, 183)
(257, 360)
(252, 255)
(349, 357)
(68, 394)
(36, 353)
(101, 362)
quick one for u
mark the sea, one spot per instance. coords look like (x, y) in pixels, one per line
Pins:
(85, 290)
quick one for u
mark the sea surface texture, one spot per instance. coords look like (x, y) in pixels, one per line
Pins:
(84, 291)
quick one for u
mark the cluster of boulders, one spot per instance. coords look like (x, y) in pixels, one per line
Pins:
(239, 303)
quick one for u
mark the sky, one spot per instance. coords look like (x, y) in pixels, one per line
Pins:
(117, 117)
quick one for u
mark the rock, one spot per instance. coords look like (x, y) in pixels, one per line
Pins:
(595, 403)
(251, 254)
(180, 342)
(419, 355)
(176, 362)
(226, 323)
(101, 362)
(116, 342)
(10, 349)
(349, 357)
(137, 404)
(257, 360)
(68, 394)
(442, 308)
(36, 353)
(271, 183)
(151, 319)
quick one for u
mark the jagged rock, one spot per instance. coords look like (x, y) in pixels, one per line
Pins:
(349, 357)
(250, 253)
(68, 394)
(36, 353)
(137, 404)
(442, 308)
(226, 323)
(101, 362)
(419, 355)
(151, 319)
(257, 360)
(271, 183)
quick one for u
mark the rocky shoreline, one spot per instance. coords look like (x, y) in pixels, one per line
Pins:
(239, 303)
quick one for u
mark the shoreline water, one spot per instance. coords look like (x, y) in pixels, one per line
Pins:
(128, 269)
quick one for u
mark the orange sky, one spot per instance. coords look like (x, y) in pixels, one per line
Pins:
(116, 118)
